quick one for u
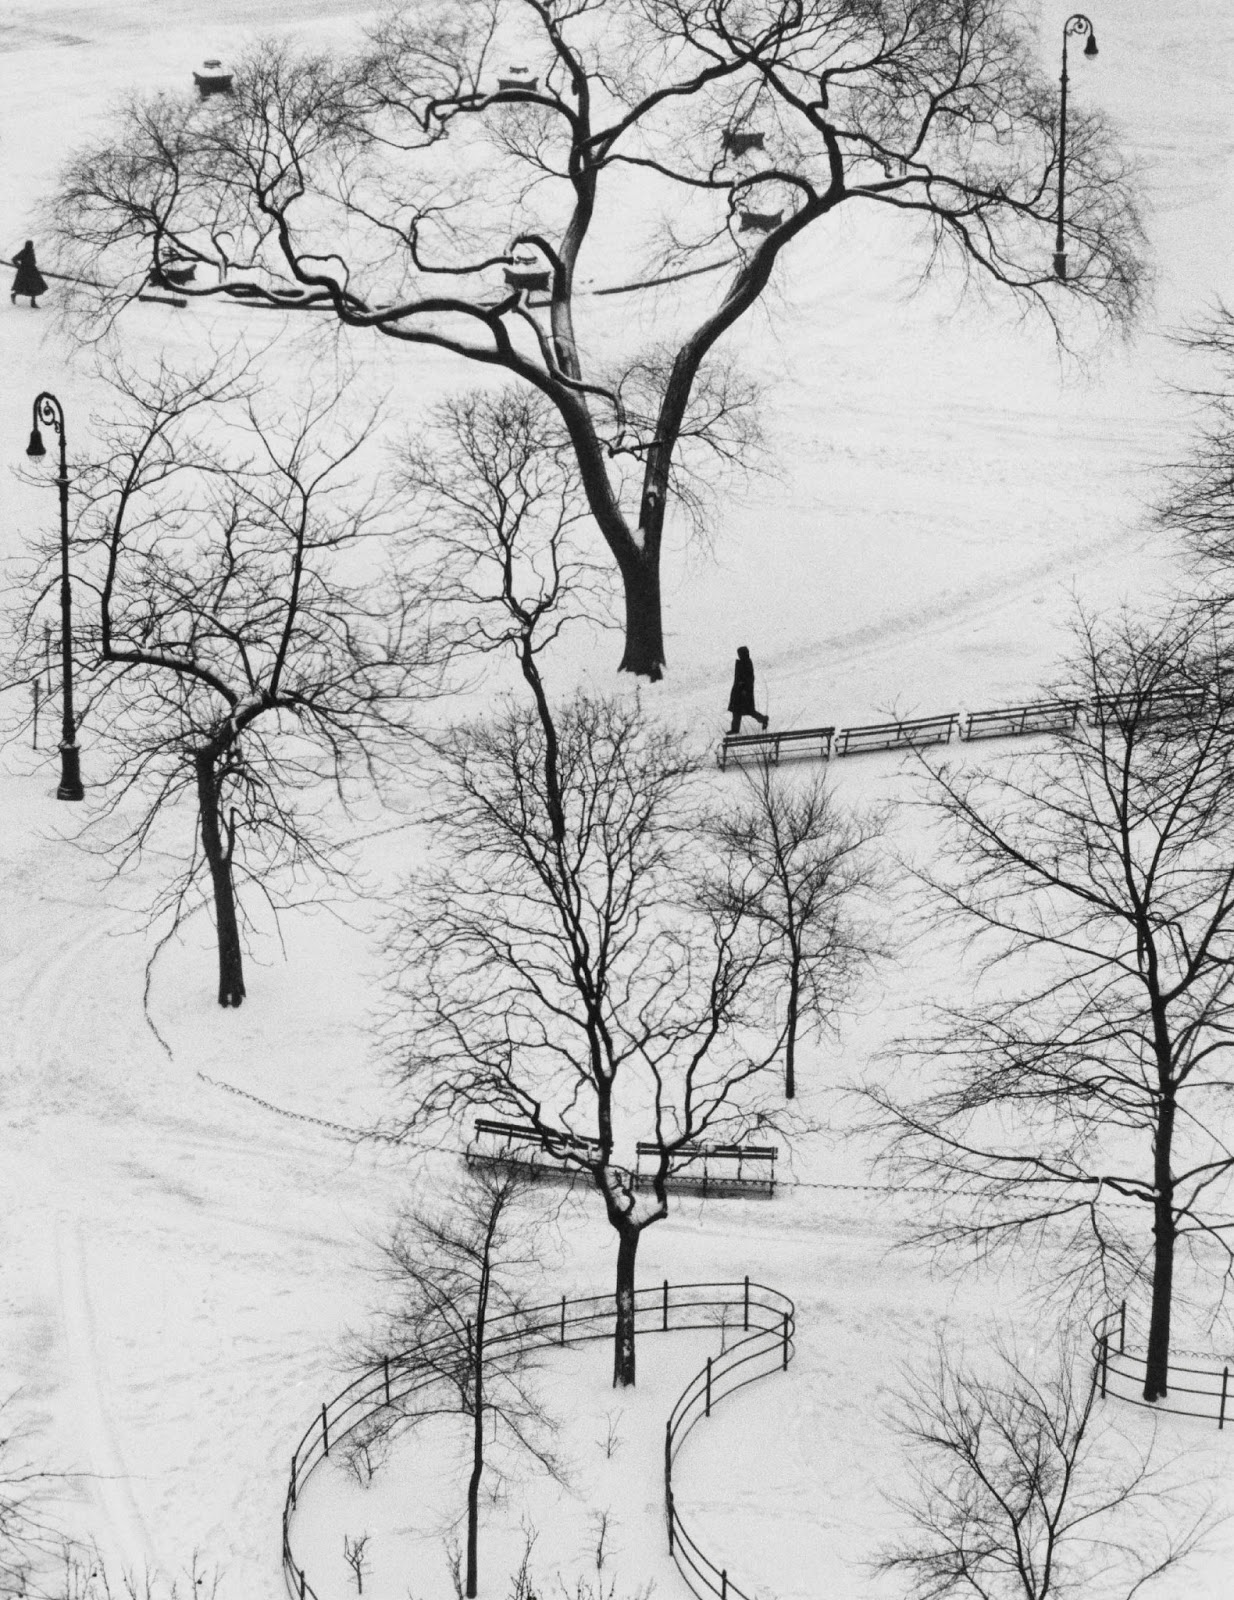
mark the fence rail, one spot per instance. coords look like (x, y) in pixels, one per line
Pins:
(1120, 1371)
(768, 1321)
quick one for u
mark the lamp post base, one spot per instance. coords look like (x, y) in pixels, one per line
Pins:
(70, 774)
(1060, 265)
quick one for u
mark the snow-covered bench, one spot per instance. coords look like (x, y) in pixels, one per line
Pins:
(1043, 716)
(714, 1168)
(519, 1144)
(904, 734)
(801, 741)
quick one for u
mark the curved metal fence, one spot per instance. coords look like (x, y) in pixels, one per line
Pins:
(765, 1345)
(1193, 1391)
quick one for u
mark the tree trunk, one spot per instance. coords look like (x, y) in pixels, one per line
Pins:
(623, 1332)
(644, 652)
(790, 1039)
(1157, 1360)
(218, 859)
(473, 1488)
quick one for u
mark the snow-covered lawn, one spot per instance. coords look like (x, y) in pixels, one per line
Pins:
(180, 1264)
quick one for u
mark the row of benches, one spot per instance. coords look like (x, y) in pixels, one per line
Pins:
(707, 1169)
(909, 733)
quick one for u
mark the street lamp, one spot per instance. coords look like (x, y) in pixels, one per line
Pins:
(1078, 23)
(49, 411)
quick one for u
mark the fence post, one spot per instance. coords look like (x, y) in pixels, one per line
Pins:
(563, 1319)
(784, 1363)
(1105, 1360)
(301, 1583)
(668, 1479)
(724, 1584)
(708, 1410)
(745, 1311)
(664, 1325)
(1122, 1328)
(385, 1366)
(293, 1482)
(1225, 1385)
(325, 1431)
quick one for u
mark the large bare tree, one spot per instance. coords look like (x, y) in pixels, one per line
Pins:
(1094, 879)
(561, 959)
(240, 645)
(423, 189)
(555, 963)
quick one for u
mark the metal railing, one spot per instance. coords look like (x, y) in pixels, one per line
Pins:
(765, 1346)
(1120, 1372)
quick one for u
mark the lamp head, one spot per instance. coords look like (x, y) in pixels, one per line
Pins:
(36, 447)
(1090, 49)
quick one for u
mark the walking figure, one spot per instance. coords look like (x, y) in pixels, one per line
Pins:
(741, 700)
(29, 279)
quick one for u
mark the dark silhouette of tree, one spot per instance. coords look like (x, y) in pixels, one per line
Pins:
(1011, 1499)
(1094, 878)
(559, 959)
(240, 650)
(417, 189)
(1200, 506)
(554, 962)
(465, 1274)
(491, 493)
(801, 865)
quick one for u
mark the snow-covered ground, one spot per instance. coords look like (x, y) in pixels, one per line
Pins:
(180, 1264)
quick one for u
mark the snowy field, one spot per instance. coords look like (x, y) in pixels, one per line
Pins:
(181, 1265)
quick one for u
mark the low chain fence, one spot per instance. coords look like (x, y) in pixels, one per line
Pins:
(765, 1346)
(1119, 1370)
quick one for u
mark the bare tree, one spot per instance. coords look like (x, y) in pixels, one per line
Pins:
(800, 866)
(1095, 881)
(1200, 505)
(355, 1555)
(419, 189)
(240, 649)
(555, 963)
(1011, 1499)
(463, 1273)
(491, 492)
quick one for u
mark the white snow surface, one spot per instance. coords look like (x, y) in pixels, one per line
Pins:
(181, 1265)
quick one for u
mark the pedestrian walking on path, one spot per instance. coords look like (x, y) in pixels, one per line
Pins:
(29, 279)
(741, 700)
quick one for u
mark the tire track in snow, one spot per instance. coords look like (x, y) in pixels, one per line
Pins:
(123, 1534)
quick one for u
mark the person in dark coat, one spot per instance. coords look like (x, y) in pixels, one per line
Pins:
(741, 700)
(29, 279)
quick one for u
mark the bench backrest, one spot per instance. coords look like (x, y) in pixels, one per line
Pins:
(732, 1152)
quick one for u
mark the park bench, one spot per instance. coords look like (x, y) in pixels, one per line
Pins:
(714, 1168)
(801, 741)
(1166, 706)
(212, 79)
(759, 221)
(734, 142)
(905, 734)
(1043, 716)
(519, 1144)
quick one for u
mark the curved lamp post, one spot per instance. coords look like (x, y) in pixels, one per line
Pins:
(49, 411)
(1076, 23)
